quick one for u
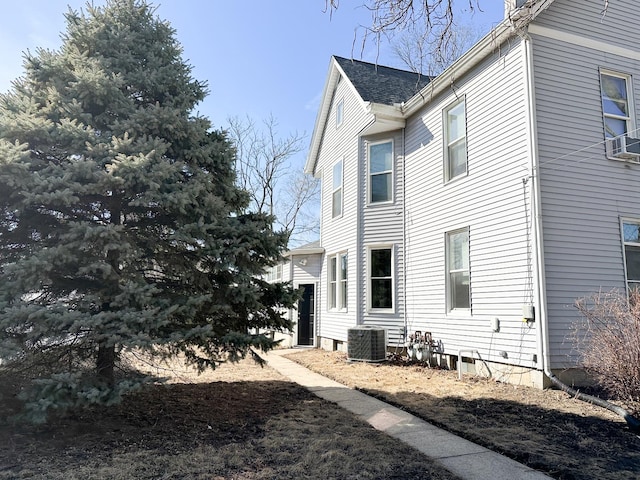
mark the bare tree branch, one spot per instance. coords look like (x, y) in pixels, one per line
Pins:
(433, 16)
(263, 169)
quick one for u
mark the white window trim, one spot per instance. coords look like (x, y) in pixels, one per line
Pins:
(624, 250)
(449, 308)
(630, 120)
(445, 139)
(341, 188)
(340, 282)
(392, 172)
(393, 278)
(274, 274)
(339, 113)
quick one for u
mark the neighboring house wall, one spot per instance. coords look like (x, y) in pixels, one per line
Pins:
(492, 201)
(298, 269)
(584, 194)
(339, 234)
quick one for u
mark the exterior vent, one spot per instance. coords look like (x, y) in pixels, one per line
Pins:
(624, 148)
(367, 344)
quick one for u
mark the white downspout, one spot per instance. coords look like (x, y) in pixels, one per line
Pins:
(541, 314)
(541, 293)
(404, 237)
(293, 312)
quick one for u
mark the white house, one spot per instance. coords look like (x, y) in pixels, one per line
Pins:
(478, 205)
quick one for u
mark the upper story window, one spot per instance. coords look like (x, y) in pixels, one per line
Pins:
(457, 253)
(339, 113)
(631, 240)
(381, 172)
(381, 278)
(336, 196)
(338, 281)
(615, 89)
(455, 139)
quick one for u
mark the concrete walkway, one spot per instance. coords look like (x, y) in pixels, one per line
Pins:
(461, 457)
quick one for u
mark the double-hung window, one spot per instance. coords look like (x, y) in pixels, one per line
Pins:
(338, 265)
(274, 274)
(381, 278)
(455, 138)
(457, 253)
(631, 240)
(615, 90)
(336, 196)
(381, 172)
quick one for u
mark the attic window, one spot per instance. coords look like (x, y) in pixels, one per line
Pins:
(339, 113)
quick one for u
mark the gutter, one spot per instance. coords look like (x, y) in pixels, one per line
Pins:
(489, 44)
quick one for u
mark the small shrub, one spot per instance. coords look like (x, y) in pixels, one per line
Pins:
(608, 341)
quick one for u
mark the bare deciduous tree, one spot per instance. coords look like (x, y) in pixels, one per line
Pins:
(263, 169)
(417, 50)
(436, 16)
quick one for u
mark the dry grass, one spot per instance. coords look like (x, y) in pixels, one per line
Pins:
(547, 430)
(239, 422)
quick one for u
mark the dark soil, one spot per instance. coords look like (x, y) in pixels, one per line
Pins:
(266, 428)
(544, 429)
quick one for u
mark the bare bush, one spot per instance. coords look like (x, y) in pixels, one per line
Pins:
(608, 341)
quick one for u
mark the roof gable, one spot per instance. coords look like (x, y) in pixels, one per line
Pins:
(380, 84)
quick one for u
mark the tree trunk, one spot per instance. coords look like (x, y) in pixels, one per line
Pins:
(105, 363)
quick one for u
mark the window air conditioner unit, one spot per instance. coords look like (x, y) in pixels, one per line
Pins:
(367, 344)
(624, 148)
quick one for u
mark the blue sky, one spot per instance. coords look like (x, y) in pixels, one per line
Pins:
(258, 57)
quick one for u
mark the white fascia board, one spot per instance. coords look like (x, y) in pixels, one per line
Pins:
(303, 251)
(517, 20)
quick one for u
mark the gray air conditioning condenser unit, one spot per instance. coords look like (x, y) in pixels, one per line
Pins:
(367, 344)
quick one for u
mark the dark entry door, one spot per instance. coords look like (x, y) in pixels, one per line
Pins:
(306, 309)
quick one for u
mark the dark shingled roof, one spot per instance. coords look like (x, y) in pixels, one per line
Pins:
(379, 84)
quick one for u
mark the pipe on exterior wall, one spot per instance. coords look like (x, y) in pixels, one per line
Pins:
(404, 236)
(541, 314)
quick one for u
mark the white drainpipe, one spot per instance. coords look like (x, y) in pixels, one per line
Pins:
(541, 293)
(541, 310)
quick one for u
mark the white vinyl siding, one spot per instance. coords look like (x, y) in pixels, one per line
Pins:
(490, 202)
(380, 172)
(455, 135)
(339, 234)
(615, 90)
(583, 197)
